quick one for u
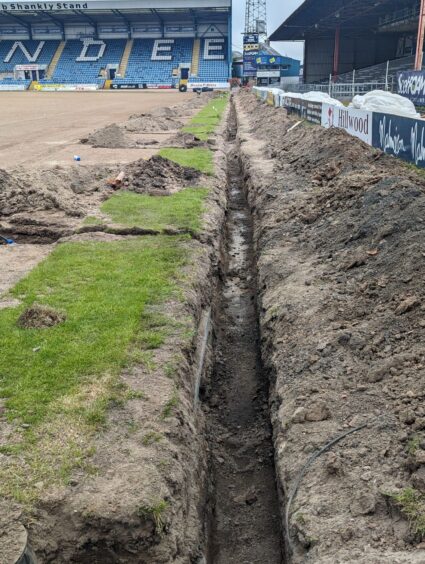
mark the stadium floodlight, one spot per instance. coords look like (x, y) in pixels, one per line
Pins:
(256, 18)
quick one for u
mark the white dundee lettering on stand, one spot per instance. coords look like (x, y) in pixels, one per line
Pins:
(212, 45)
(19, 45)
(161, 46)
(87, 43)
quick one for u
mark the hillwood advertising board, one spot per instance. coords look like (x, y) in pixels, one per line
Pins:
(356, 122)
(398, 136)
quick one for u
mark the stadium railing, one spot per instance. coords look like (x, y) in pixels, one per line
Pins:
(339, 90)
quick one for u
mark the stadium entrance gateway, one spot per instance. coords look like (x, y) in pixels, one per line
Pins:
(115, 44)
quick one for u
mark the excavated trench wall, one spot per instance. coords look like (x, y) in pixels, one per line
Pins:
(244, 508)
(336, 228)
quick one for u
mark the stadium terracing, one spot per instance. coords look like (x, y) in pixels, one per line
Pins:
(345, 35)
(114, 44)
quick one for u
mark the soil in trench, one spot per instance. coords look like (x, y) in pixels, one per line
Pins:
(245, 518)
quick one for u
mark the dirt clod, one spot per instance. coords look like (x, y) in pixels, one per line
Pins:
(13, 541)
(186, 140)
(407, 305)
(40, 316)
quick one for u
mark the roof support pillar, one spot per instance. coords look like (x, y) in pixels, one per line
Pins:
(421, 34)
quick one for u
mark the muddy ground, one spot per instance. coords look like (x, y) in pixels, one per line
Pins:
(339, 234)
(298, 438)
(44, 128)
(132, 132)
(39, 204)
(144, 460)
(245, 524)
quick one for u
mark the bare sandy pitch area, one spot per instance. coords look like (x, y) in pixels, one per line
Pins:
(43, 128)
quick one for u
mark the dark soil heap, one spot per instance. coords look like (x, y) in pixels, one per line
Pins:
(340, 235)
(40, 316)
(158, 174)
(109, 137)
(186, 140)
(63, 189)
(10, 193)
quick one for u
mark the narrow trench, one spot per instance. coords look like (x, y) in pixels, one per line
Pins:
(245, 522)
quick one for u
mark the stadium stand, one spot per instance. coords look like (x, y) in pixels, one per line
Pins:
(16, 82)
(92, 47)
(360, 35)
(86, 69)
(213, 65)
(152, 61)
(377, 73)
(8, 60)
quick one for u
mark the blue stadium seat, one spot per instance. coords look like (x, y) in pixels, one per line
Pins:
(44, 58)
(142, 69)
(70, 70)
(213, 70)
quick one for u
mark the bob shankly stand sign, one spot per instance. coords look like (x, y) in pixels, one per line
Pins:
(21, 7)
(42, 6)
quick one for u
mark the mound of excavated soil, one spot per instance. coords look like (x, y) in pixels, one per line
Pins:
(340, 236)
(109, 137)
(267, 122)
(59, 188)
(186, 140)
(149, 123)
(39, 316)
(158, 174)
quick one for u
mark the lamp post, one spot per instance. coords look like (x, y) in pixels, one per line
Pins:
(421, 34)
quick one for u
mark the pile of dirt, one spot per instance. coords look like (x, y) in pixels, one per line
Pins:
(150, 123)
(267, 122)
(40, 316)
(158, 175)
(168, 111)
(340, 237)
(66, 189)
(168, 118)
(109, 137)
(186, 140)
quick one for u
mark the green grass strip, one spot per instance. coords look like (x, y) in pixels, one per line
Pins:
(182, 210)
(206, 121)
(104, 289)
(198, 158)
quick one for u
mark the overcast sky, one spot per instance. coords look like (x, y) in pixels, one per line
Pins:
(277, 11)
